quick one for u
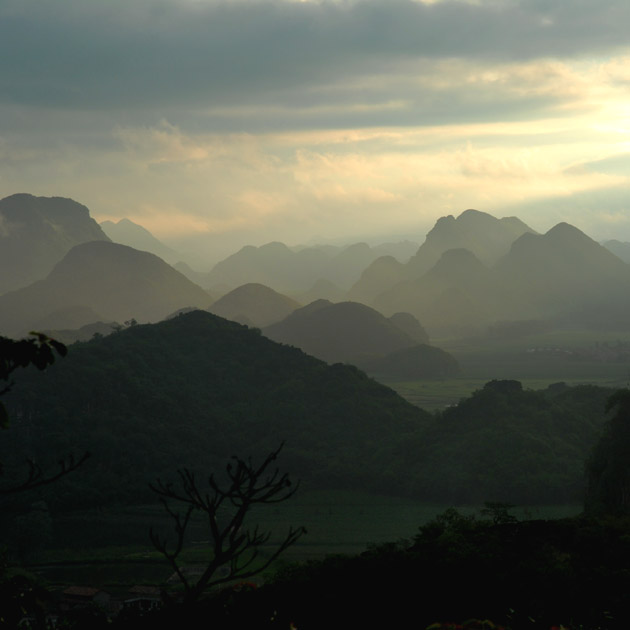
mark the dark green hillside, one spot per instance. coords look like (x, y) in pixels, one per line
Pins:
(505, 443)
(194, 390)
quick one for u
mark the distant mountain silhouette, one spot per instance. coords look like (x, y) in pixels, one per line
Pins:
(202, 278)
(562, 277)
(565, 274)
(84, 333)
(415, 363)
(409, 324)
(384, 273)
(126, 232)
(343, 332)
(254, 304)
(621, 249)
(458, 296)
(36, 233)
(321, 290)
(288, 271)
(117, 282)
(487, 237)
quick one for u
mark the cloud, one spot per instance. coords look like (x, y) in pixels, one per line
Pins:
(162, 53)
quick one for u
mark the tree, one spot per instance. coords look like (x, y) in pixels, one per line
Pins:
(225, 507)
(608, 468)
(38, 351)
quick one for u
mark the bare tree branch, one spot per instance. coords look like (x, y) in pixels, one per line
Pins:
(226, 507)
(36, 477)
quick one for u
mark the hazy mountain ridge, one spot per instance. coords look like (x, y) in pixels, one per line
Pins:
(126, 232)
(116, 282)
(343, 332)
(621, 249)
(562, 276)
(293, 272)
(487, 237)
(254, 304)
(350, 332)
(36, 233)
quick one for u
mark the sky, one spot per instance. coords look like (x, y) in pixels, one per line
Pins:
(220, 123)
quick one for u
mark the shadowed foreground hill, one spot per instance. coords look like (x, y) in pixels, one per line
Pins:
(116, 282)
(194, 390)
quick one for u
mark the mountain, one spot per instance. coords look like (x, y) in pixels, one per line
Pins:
(194, 390)
(254, 305)
(567, 275)
(487, 237)
(346, 332)
(621, 249)
(36, 233)
(384, 273)
(126, 232)
(458, 296)
(562, 278)
(321, 290)
(116, 282)
(294, 271)
(409, 324)
(411, 364)
(199, 277)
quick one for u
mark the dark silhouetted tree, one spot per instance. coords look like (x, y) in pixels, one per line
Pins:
(608, 468)
(38, 351)
(225, 506)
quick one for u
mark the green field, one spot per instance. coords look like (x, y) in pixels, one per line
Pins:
(337, 522)
(536, 360)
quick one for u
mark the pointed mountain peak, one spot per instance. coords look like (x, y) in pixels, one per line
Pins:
(275, 247)
(472, 216)
(566, 231)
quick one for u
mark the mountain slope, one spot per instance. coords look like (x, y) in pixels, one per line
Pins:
(485, 236)
(344, 332)
(126, 232)
(36, 233)
(117, 282)
(193, 390)
(565, 274)
(254, 305)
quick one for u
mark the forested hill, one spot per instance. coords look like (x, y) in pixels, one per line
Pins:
(194, 390)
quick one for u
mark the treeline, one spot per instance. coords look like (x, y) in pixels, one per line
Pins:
(197, 389)
(458, 572)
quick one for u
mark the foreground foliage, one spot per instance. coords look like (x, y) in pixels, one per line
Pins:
(225, 506)
(191, 391)
(457, 572)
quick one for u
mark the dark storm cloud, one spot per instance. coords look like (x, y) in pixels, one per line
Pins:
(160, 54)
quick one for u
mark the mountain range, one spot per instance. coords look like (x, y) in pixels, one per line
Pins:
(126, 232)
(195, 389)
(36, 233)
(99, 281)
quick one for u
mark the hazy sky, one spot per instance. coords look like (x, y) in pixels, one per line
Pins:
(255, 120)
